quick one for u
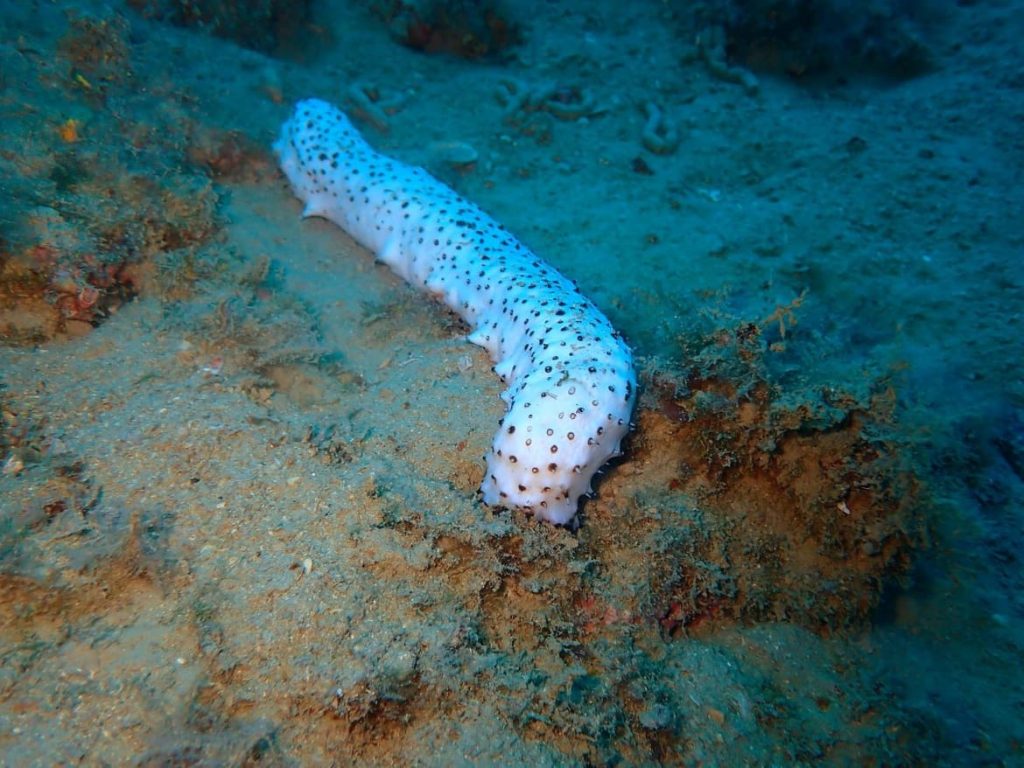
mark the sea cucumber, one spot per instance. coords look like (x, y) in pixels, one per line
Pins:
(571, 382)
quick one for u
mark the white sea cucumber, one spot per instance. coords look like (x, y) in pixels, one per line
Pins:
(570, 377)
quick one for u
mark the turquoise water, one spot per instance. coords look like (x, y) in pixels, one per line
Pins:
(240, 519)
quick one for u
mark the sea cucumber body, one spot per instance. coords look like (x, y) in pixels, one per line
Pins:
(570, 377)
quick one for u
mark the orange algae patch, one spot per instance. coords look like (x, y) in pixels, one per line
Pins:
(69, 130)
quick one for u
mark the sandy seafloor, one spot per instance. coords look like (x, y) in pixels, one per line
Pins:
(239, 514)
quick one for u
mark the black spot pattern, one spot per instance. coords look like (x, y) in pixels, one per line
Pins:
(569, 374)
